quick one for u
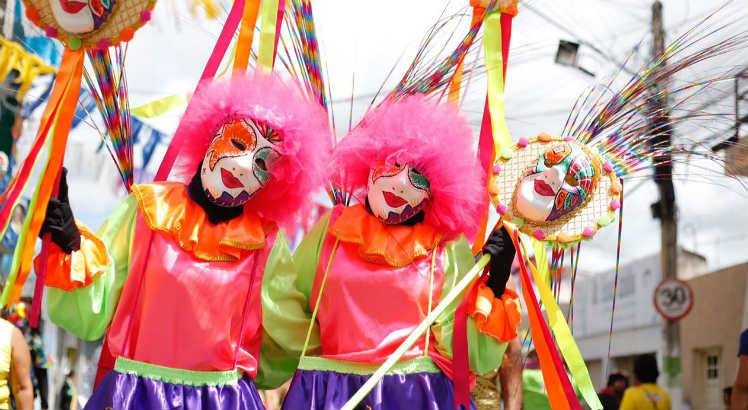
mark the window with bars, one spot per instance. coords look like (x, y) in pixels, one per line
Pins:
(712, 367)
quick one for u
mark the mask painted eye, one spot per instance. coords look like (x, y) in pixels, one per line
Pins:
(238, 144)
(418, 180)
(571, 180)
(263, 161)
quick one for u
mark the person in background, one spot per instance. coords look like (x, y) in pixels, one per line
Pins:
(612, 394)
(646, 394)
(68, 393)
(504, 384)
(39, 361)
(15, 373)
(739, 399)
(273, 399)
(727, 396)
(9, 240)
(510, 376)
(4, 171)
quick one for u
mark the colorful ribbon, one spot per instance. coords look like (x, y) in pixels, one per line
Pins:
(560, 391)
(456, 83)
(564, 339)
(246, 35)
(269, 11)
(211, 67)
(461, 355)
(491, 139)
(492, 43)
(57, 120)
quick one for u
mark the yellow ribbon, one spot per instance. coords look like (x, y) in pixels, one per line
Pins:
(269, 13)
(566, 344)
(494, 70)
(492, 46)
(159, 106)
(209, 6)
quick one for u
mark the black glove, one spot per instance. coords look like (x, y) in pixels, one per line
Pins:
(501, 248)
(59, 221)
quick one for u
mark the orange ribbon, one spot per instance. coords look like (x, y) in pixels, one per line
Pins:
(246, 35)
(64, 99)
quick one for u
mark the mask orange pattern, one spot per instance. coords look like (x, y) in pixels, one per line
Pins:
(234, 139)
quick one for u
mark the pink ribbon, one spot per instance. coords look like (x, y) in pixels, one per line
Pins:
(211, 67)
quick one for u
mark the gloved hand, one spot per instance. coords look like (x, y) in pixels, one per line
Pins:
(501, 249)
(59, 221)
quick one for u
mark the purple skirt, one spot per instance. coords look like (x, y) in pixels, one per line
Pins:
(329, 390)
(130, 391)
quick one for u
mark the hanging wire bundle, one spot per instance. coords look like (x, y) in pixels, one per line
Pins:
(629, 126)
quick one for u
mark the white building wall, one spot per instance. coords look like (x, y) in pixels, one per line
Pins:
(637, 327)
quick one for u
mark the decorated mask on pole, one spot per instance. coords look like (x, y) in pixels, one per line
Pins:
(561, 180)
(81, 17)
(397, 192)
(555, 189)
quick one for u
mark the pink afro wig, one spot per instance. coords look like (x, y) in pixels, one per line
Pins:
(302, 123)
(435, 140)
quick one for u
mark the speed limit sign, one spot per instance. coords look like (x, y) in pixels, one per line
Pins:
(673, 299)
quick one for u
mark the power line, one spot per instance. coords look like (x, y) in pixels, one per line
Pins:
(579, 39)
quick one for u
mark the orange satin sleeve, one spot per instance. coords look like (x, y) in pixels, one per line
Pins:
(496, 317)
(78, 269)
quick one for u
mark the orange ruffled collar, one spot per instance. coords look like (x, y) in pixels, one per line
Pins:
(168, 209)
(395, 245)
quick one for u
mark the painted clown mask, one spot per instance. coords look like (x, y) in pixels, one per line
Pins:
(560, 182)
(397, 192)
(239, 161)
(81, 16)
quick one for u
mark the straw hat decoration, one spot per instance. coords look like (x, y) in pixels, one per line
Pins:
(90, 24)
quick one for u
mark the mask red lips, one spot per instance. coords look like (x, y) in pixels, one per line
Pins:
(72, 6)
(393, 200)
(543, 189)
(229, 180)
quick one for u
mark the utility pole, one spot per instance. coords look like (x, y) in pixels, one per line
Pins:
(665, 209)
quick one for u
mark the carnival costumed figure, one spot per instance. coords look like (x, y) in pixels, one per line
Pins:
(368, 274)
(173, 277)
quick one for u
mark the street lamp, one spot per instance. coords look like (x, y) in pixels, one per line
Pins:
(567, 55)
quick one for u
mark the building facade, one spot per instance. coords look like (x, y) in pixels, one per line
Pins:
(637, 327)
(709, 335)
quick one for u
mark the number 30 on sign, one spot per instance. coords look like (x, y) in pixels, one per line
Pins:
(673, 299)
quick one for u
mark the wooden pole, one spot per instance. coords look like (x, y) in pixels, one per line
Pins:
(665, 209)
